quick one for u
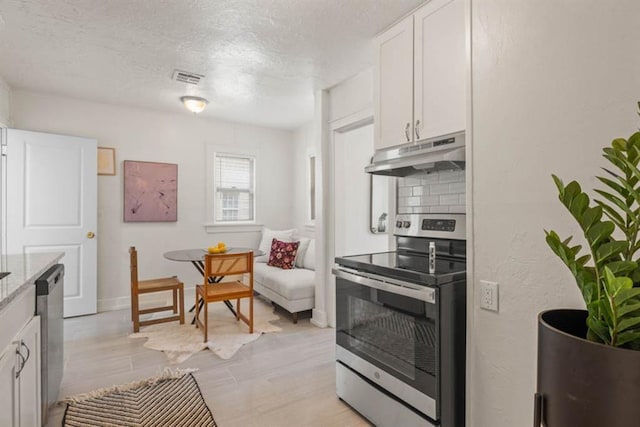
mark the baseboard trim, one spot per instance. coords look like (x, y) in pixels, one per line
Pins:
(112, 304)
(319, 318)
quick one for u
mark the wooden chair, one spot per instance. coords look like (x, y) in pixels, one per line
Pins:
(139, 287)
(219, 265)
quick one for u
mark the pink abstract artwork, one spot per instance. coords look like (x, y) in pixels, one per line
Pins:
(150, 191)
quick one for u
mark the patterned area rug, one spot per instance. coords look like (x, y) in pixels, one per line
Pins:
(226, 334)
(169, 399)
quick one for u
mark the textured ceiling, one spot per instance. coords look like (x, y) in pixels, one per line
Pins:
(262, 58)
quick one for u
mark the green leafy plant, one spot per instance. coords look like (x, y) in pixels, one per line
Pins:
(608, 270)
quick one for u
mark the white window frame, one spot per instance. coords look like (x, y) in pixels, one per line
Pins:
(211, 225)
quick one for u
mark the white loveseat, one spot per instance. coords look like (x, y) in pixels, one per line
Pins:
(294, 289)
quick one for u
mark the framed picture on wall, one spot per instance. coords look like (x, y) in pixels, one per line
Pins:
(106, 161)
(150, 191)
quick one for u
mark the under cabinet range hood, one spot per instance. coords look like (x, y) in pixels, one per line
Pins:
(429, 155)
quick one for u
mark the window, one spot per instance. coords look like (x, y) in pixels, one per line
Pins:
(234, 184)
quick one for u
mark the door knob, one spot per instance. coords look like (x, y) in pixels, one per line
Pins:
(91, 235)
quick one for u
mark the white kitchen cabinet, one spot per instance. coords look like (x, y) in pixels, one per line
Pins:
(20, 378)
(9, 387)
(420, 85)
(393, 95)
(28, 342)
(20, 392)
(439, 64)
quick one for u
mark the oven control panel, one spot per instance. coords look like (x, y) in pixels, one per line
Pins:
(445, 226)
(438, 224)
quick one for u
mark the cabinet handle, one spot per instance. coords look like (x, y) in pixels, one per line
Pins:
(22, 344)
(23, 360)
(407, 133)
(417, 129)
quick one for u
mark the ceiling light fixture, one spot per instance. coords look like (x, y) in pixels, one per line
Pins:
(195, 104)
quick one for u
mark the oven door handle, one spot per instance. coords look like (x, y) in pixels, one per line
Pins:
(427, 295)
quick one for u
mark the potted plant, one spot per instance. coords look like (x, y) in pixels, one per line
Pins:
(588, 360)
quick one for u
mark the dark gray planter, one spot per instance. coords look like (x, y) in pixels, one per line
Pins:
(582, 383)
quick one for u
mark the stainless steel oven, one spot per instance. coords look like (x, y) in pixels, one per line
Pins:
(400, 329)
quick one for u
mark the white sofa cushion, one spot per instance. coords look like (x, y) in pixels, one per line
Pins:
(302, 249)
(294, 284)
(267, 236)
(310, 256)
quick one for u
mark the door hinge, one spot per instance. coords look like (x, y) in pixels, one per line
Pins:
(3, 150)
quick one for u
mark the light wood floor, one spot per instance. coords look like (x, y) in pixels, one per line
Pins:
(282, 379)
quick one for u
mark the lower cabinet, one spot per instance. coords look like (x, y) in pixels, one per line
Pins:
(20, 378)
(9, 387)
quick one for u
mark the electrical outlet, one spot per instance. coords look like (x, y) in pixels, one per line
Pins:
(488, 295)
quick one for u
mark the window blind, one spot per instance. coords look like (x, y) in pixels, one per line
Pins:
(234, 186)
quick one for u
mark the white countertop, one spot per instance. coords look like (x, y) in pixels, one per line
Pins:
(25, 269)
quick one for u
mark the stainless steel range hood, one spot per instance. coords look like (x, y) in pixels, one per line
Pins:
(440, 153)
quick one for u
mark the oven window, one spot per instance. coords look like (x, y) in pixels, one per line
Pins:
(399, 341)
(393, 332)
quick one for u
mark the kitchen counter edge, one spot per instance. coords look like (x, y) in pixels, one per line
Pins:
(25, 270)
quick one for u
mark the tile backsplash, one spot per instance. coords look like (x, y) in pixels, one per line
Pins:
(436, 192)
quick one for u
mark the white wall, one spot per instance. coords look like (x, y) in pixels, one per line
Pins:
(173, 138)
(5, 103)
(352, 95)
(553, 83)
(321, 314)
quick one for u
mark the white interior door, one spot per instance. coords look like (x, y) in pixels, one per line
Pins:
(52, 207)
(352, 191)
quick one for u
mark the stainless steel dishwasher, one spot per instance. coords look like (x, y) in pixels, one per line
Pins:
(49, 304)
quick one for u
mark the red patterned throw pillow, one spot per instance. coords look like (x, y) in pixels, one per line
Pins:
(283, 254)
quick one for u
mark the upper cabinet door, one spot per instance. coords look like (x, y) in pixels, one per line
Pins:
(440, 68)
(393, 85)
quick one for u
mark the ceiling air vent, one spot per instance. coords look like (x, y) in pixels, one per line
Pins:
(187, 77)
